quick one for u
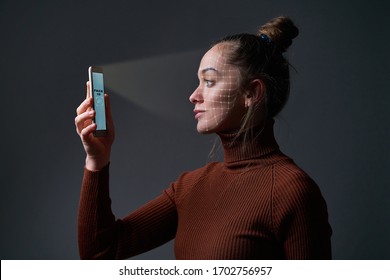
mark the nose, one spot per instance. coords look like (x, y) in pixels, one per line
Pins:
(196, 96)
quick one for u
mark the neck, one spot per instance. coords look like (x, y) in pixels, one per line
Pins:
(256, 142)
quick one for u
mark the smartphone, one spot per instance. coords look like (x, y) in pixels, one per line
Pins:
(97, 91)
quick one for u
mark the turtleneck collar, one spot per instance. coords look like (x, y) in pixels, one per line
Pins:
(257, 144)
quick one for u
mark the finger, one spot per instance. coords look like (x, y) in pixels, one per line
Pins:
(88, 89)
(86, 132)
(83, 120)
(84, 106)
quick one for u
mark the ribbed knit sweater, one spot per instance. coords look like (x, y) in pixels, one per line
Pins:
(256, 204)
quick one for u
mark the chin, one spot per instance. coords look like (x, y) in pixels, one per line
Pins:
(205, 130)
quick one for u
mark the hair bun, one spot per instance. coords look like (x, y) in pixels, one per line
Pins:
(281, 30)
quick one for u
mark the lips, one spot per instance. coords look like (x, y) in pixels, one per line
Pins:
(198, 113)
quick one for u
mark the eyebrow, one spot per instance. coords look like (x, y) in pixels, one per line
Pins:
(209, 69)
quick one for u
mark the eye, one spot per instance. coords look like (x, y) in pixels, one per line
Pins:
(209, 83)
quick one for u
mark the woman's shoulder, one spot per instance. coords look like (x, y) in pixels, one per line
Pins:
(291, 181)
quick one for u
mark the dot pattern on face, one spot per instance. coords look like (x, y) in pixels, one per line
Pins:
(218, 89)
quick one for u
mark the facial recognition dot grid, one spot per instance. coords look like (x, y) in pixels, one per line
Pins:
(218, 88)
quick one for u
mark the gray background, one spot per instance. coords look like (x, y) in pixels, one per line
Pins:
(335, 126)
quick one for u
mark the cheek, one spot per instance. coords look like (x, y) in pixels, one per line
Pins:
(221, 103)
(224, 101)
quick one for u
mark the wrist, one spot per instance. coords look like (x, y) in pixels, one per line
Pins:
(96, 164)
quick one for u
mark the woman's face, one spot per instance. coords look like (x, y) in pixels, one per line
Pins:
(219, 106)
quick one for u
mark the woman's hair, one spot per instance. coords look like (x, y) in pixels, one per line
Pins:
(261, 57)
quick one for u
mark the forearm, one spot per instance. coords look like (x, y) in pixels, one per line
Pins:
(96, 223)
(100, 236)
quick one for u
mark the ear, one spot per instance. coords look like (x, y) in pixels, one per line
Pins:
(255, 93)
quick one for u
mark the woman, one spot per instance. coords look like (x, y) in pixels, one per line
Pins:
(257, 204)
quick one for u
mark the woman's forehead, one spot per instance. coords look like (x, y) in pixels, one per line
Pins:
(216, 58)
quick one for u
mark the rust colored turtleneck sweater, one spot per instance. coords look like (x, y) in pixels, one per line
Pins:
(257, 204)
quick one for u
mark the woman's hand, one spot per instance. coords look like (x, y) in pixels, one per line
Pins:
(98, 149)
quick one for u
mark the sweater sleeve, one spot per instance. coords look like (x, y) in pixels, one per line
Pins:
(101, 236)
(300, 218)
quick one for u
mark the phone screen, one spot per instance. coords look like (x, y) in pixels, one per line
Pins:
(98, 97)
